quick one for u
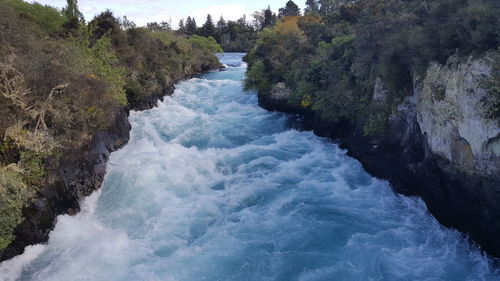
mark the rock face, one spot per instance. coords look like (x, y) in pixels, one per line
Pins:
(278, 100)
(438, 146)
(450, 114)
(80, 173)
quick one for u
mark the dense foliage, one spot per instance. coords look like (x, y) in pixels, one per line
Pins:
(233, 36)
(239, 35)
(61, 80)
(332, 57)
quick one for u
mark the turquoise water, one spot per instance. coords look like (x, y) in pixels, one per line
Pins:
(212, 187)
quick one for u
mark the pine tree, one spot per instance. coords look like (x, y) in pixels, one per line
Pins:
(191, 27)
(221, 25)
(222, 29)
(182, 28)
(74, 18)
(208, 28)
(71, 11)
(269, 18)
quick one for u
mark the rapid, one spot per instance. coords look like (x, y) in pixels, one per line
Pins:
(212, 187)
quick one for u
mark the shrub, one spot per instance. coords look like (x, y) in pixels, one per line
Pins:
(101, 61)
(14, 196)
(206, 44)
(377, 122)
(256, 78)
(47, 18)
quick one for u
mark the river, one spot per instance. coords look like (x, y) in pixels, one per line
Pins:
(212, 187)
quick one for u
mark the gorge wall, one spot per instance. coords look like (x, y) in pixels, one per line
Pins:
(438, 145)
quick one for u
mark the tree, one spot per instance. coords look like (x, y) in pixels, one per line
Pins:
(291, 9)
(182, 27)
(191, 27)
(242, 23)
(208, 28)
(103, 23)
(73, 17)
(329, 6)
(221, 29)
(158, 27)
(312, 6)
(126, 23)
(71, 11)
(258, 19)
(269, 18)
(221, 25)
(166, 25)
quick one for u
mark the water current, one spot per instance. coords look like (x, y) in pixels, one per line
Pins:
(212, 187)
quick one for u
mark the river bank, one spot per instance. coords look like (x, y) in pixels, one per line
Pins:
(82, 172)
(447, 159)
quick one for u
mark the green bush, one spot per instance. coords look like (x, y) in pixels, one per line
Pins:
(33, 168)
(102, 61)
(377, 122)
(256, 78)
(206, 44)
(14, 196)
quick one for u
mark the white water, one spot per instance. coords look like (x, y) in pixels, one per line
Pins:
(211, 187)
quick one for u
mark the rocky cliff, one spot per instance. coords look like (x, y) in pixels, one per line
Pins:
(438, 145)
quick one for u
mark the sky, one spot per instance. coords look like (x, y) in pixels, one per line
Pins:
(144, 11)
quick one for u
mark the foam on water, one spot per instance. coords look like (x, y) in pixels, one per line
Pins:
(211, 187)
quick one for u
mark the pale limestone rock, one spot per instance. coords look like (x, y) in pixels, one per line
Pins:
(451, 115)
(280, 92)
(379, 92)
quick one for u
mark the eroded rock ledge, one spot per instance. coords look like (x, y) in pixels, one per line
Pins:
(438, 146)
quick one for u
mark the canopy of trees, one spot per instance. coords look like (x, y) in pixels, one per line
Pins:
(334, 54)
(239, 35)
